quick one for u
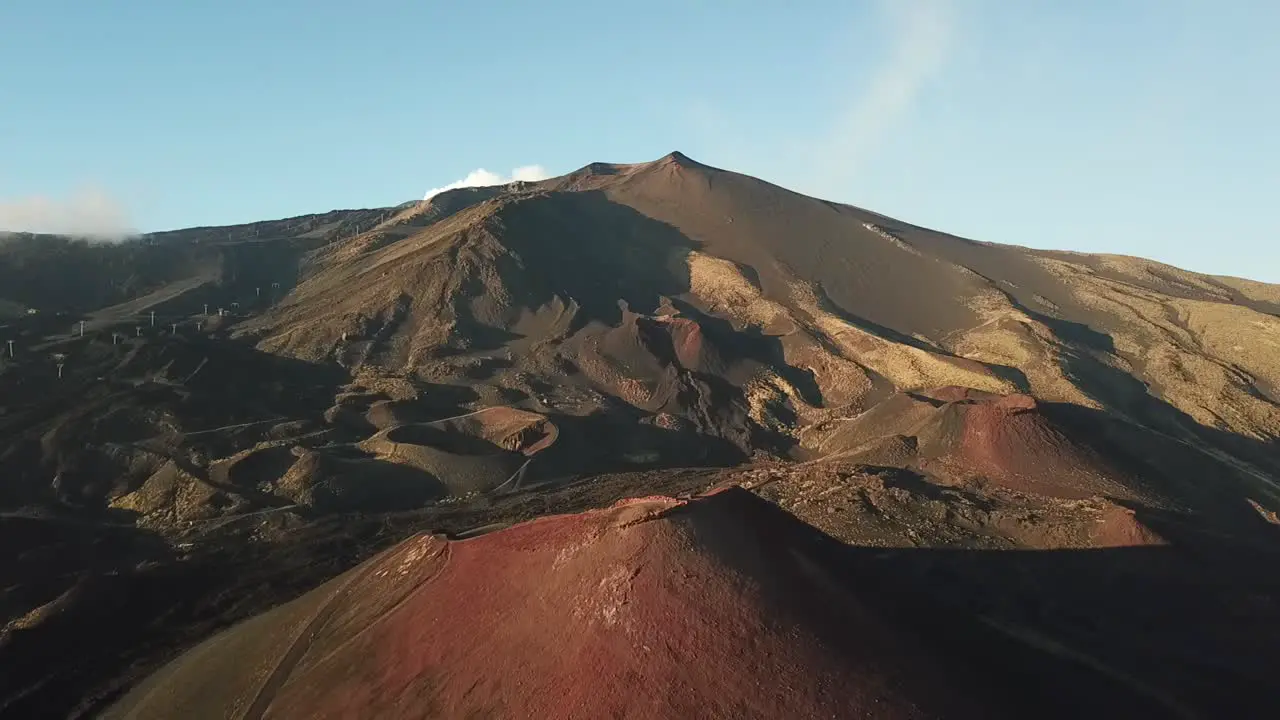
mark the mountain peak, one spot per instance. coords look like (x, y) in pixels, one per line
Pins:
(675, 157)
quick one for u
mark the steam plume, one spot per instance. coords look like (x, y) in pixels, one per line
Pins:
(482, 177)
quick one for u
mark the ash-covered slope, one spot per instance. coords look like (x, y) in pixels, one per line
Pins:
(747, 312)
(723, 606)
(853, 297)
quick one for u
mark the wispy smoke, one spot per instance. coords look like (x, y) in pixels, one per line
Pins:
(922, 33)
(482, 177)
(88, 213)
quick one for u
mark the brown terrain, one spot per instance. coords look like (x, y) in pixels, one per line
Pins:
(378, 462)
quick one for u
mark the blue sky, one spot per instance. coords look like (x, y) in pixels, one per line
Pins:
(1147, 127)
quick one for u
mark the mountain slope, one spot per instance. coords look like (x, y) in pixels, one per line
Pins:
(812, 310)
(901, 302)
(660, 313)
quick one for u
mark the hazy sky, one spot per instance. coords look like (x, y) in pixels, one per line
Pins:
(1147, 127)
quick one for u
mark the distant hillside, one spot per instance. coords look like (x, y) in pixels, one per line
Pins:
(78, 275)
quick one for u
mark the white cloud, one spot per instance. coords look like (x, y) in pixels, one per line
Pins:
(921, 34)
(89, 213)
(482, 177)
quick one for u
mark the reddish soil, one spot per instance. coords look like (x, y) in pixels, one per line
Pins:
(962, 434)
(692, 349)
(720, 607)
(1007, 440)
(1119, 527)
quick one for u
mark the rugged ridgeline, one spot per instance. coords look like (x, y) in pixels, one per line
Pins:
(280, 391)
(666, 284)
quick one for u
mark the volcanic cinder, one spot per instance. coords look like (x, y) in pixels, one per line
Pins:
(722, 606)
